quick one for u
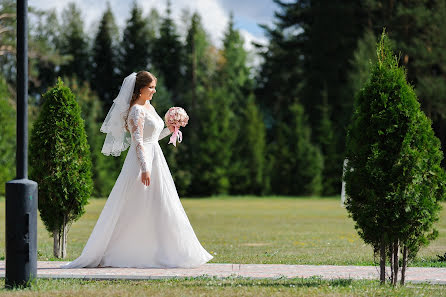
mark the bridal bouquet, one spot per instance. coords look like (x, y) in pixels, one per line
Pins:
(176, 117)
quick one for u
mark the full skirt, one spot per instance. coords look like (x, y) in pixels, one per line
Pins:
(143, 226)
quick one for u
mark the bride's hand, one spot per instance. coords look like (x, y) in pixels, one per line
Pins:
(145, 178)
(171, 128)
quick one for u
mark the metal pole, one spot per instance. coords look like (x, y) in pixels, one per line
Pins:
(21, 193)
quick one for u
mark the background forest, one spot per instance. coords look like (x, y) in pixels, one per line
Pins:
(278, 129)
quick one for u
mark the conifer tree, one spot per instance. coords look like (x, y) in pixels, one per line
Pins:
(45, 57)
(248, 173)
(307, 59)
(197, 100)
(136, 43)
(234, 72)
(327, 142)
(60, 163)
(212, 151)
(247, 140)
(298, 163)
(417, 29)
(105, 80)
(394, 181)
(74, 44)
(167, 55)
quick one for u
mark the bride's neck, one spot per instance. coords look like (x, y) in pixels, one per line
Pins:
(142, 102)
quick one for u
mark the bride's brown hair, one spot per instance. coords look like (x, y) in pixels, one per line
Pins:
(143, 79)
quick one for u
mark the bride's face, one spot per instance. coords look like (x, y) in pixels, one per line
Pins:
(148, 91)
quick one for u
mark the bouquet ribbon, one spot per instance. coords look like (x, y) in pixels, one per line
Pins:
(175, 134)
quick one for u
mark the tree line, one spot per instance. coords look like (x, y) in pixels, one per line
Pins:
(279, 129)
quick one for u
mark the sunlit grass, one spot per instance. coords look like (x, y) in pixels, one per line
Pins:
(231, 286)
(258, 230)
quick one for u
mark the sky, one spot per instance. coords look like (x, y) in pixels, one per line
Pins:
(214, 13)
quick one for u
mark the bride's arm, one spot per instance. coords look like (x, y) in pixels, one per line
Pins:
(166, 131)
(136, 121)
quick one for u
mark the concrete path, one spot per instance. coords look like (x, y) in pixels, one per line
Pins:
(50, 269)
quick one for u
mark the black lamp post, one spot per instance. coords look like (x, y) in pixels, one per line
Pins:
(21, 193)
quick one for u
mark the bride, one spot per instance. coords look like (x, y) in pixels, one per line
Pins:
(143, 223)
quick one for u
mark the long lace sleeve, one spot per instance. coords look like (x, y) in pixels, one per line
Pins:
(136, 125)
(164, 133)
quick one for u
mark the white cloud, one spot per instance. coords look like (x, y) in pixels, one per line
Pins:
(254, 59)
(248, 37)
(91, 11)
(214, 16)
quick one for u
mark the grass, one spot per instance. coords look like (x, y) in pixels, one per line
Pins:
(231, 286)
(258, 230)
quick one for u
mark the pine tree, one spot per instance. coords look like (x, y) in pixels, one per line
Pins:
(247, 140)
(136, 43)
(298, 163)
(307, 55)
(209, 138)
(105, 79)
(60, 163)
(44, 52)
(248, 163)
(363, 58)
(417, 29)
(153, 21)
(394, 181)
(74, 44)
(234, 72)
(327, 142)
(167, 55)
(212, 151)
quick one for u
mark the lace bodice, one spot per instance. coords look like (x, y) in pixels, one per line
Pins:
(145, 126)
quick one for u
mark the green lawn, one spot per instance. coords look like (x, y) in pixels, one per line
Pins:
(258, 230)
(227, 287)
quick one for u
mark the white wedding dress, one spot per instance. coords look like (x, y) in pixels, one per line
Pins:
(143, 226)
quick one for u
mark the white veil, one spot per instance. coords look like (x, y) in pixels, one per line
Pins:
(118, 139)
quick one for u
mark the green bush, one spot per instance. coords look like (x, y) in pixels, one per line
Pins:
(394, 181)
(60, 163)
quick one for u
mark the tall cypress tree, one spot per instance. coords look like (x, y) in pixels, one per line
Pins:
(105, 79)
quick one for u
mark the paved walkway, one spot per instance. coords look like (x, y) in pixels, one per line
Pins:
(50, 269)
